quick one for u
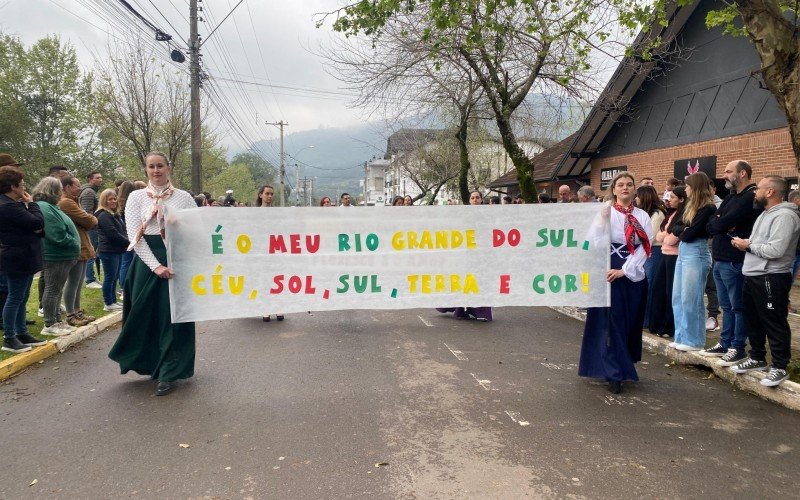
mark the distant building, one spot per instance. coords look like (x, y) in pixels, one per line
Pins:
(375, 177)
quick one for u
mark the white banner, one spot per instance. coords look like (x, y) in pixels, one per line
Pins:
(241, 262)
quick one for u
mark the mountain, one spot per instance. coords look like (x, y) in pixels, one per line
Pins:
(337, 157)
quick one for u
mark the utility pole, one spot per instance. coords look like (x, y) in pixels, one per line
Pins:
(194, 71)
(280, 125)
(366, 181)
(296, 185)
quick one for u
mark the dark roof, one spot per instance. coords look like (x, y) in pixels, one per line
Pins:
(544, 164)
(623, 85)
(409, 139)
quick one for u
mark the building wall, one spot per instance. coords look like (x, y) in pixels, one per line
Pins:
(768, 152)
(707, 92)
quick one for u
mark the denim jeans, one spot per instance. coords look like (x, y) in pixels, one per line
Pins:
(650, 268)
(19, 289)
(124, 264)
(90, 263)
(730, 280)
(691, 272)
(110, 261)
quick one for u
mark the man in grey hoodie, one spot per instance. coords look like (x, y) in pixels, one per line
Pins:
(767, 273)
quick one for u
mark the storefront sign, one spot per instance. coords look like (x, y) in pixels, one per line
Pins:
(606, 174)
(689, 166)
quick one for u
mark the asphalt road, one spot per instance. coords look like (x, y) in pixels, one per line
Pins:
(307, 408)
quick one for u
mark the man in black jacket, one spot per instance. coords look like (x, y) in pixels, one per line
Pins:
(734, 218)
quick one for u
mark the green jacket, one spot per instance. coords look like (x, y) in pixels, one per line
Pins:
(61, 241)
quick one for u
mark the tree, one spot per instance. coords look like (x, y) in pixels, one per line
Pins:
(145, 101)
(236, 177)
(772, 26)
(431, 166)
(16, 122)
(398, 77)
(512, 47)
(47, 104)
(263, 172)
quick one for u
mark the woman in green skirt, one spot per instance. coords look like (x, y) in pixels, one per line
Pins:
(149, 343)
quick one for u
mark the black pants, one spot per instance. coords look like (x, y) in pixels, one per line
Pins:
(765, 304)
(662, 321)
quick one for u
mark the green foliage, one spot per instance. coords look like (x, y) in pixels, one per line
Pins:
(48, 105)
(238, 177)
(262, 171)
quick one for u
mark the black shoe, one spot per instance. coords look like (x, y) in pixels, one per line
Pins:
(163, 388)
(28, 339)
(30, 322)
(14, 345)
(615, 387)
(265, 319)
(279, 317)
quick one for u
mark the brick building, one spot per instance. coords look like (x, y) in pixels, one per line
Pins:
(697, 106)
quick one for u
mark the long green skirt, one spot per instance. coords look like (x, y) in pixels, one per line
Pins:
(149, 343)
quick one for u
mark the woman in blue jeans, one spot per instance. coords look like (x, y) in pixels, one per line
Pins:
(21, 230)
(112, 244)
(694, 262)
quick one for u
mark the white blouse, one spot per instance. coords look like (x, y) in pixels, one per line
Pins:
(634, 264)
(137, 210)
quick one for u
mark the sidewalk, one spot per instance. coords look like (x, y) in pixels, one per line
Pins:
(787, 394)
(15, 364)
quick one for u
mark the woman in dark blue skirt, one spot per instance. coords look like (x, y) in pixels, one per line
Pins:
(612, 338)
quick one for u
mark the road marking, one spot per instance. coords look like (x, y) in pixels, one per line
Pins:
(514, 415)
(458, 354)
(486, 384)
(427, 323)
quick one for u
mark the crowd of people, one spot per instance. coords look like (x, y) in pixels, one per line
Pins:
(58, 231)
(667, 251)
(741, 252)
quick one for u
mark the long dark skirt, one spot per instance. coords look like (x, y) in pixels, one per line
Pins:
(612, 337)
(149, 343)
(479, 313)
(662, 320)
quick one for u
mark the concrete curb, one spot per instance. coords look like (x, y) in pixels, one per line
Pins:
(15, 364)
(787, 394)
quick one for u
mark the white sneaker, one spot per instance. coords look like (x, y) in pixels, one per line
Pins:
(686, 348)
(40, 312)
(712, 324)
(112, 307)
(62, 308)
(94, 284)
(57, 329)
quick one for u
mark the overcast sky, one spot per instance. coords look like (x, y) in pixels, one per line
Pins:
(283, 30)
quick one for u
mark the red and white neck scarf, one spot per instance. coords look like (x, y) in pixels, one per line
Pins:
(159, 195)
(632, 226)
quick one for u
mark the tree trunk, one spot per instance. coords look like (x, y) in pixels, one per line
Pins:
(776, 42)
(463, 156)
(521, 161)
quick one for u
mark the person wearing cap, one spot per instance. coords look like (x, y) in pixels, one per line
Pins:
(229, 201)
(6, 160)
